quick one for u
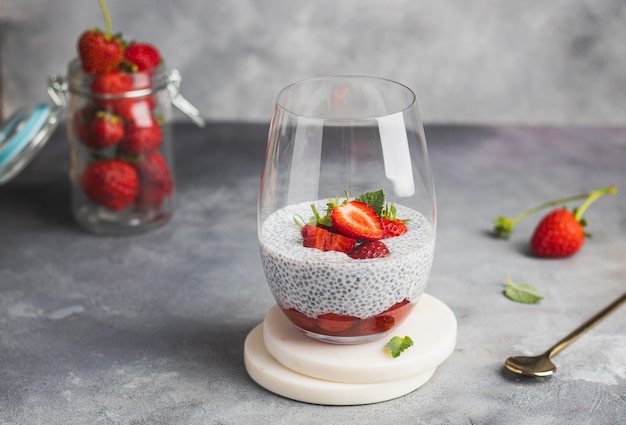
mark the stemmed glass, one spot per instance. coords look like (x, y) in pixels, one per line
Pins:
(334, 140)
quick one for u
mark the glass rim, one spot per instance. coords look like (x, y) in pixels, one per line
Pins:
(411, 102)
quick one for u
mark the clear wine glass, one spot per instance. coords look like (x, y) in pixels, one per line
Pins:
(334, 140)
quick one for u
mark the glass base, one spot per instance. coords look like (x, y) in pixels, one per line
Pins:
(102, 221)
(344, 340)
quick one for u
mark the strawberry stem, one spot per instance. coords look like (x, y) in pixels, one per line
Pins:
(107, 19)
(503, 226)
(610, 190)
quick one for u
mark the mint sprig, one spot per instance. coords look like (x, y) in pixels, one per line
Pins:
(397, 345)
(522, 292)
(375, 199)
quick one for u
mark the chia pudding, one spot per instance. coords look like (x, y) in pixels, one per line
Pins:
(355, 297)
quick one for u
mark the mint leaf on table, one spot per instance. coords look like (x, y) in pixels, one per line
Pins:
(397, 345)
(375, 199)
(522, 292)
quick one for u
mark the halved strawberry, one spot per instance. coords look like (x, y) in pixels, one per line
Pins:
(367, 250)
(324, 240)
(357, 220)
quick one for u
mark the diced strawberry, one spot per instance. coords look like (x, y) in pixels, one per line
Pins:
(324, 240)
(357, 220)
(397, 305)
(382, 323)
(374, 325)
(394, 315)
(392, 228)
(299, 319)
(367, 250)
(386, 320)
(335, 324)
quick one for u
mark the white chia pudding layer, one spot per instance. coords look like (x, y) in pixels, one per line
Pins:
(316, 282)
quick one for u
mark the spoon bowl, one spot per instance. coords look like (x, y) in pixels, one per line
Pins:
(541, 365)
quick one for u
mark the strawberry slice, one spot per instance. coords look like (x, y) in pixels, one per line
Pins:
(324, 240)
(357, 220)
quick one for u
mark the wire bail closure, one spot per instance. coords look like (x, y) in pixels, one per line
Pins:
(58, 88)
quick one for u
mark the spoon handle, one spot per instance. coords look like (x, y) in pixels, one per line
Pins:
(588, 324)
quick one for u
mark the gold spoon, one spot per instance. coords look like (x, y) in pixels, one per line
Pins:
(541, 365)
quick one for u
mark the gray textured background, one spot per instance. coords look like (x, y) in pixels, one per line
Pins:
(483, 61)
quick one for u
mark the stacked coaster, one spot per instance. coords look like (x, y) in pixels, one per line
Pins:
(282, 359)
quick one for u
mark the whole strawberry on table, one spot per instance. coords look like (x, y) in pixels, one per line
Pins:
(560, 233)
(119, 124)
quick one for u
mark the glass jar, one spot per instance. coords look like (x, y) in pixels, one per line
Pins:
(120, 140)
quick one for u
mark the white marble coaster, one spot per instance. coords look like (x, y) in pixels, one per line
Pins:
(282, 359)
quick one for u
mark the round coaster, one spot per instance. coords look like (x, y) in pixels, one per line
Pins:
(275, 377)
(431, 325)
(282, 359)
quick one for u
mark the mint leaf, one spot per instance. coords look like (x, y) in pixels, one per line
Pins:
(522, 292)
(397, 345)
(375, 199)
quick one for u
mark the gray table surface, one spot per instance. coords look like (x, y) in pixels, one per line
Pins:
(149, 329)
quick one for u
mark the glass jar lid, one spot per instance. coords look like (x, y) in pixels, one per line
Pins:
(22, 136)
